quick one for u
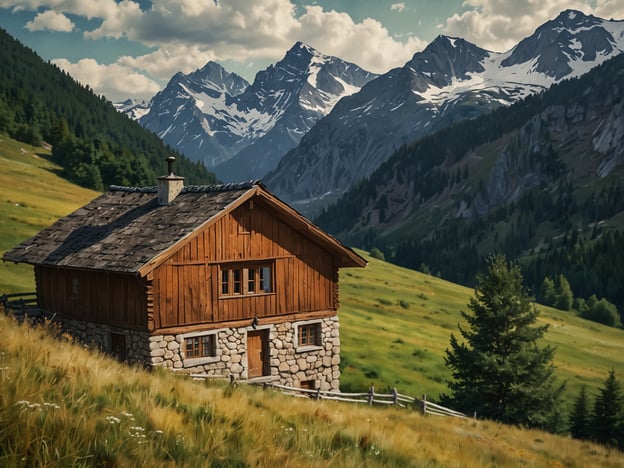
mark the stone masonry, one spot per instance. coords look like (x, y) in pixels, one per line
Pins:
(289, 365)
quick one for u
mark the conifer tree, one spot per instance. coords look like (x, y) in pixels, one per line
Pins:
(565, 297)
(607, 425)
(498, 369)
(580, 419)
(548, 295)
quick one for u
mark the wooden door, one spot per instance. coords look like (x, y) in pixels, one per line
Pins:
(118, 346)
(258, 353)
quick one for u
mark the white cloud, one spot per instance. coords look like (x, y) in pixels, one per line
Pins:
(187, 33)
(368, 43)
(116, 82)
(498, 24)
(87, 8)
(397, 7)
(52, 21)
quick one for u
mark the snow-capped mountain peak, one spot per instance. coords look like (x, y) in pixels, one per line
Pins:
(215, 116)
(450, 80)
(569, 45)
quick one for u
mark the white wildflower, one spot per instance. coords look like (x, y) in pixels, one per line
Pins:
(113, 420)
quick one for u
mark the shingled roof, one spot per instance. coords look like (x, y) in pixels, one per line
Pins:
(125, 229)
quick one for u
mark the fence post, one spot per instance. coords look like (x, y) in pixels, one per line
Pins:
(371, 395)
(318, 394)
(395, 396)
(424, 404)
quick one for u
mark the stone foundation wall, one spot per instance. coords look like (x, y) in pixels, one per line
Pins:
(99, 336)
(316, 366)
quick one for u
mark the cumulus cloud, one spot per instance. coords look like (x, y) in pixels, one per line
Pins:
(397, 7)
(499, 25)
(367, 43)
(87, 8)
(115, 81)
(186, 34)
(52, 21)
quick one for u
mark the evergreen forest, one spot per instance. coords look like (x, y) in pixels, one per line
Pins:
(526, 181)
(96, 145)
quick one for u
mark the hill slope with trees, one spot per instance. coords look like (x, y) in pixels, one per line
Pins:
(541, 181)
(96, 145)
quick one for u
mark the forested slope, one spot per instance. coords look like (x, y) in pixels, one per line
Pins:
(95, 145)
(541, 181)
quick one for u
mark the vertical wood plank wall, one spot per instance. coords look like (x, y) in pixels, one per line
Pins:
(186, 286)
(101, 297)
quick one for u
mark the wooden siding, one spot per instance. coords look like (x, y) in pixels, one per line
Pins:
(187, 285)
(98, 297)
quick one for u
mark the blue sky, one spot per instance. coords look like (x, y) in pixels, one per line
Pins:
(130, 48)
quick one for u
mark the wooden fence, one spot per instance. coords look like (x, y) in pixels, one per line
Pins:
(370, 398)
(21, 305)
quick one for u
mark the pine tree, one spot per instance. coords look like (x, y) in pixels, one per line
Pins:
(580, 419)
(548, 294)
(565, 298)
(607, 426)
(498, 369)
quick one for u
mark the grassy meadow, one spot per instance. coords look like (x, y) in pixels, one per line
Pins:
(63, 405)
(32, 196)
(396, 325)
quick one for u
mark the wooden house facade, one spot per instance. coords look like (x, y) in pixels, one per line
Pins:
(221, 280)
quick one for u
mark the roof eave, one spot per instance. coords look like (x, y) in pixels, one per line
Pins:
(347, 257)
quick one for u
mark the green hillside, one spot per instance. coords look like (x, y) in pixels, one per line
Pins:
(395, 322)
(95, 145)
(61, 405)
(32, 196)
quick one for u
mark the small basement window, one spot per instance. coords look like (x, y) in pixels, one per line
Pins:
(308, 336)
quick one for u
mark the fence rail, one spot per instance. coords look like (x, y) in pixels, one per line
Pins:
(21, 305)
(370, 398)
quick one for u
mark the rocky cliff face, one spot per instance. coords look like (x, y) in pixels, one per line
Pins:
(572, 136)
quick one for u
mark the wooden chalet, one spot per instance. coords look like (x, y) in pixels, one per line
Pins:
(223, 280)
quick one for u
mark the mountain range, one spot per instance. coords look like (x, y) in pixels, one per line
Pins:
(242, 130)
(449, 81)
(541, 181)
(313, 125)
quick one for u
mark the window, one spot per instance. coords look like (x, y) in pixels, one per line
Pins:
(308, 384)
(200, 346)
(309, 334)
(75, 287)
(256, 279)
(197, 348)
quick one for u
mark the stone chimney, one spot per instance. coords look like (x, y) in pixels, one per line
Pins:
(169, 186)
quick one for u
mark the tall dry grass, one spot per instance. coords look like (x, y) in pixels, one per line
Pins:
(64, 405)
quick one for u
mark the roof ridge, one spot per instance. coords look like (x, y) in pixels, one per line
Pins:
(122, 188)
(193, 188)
